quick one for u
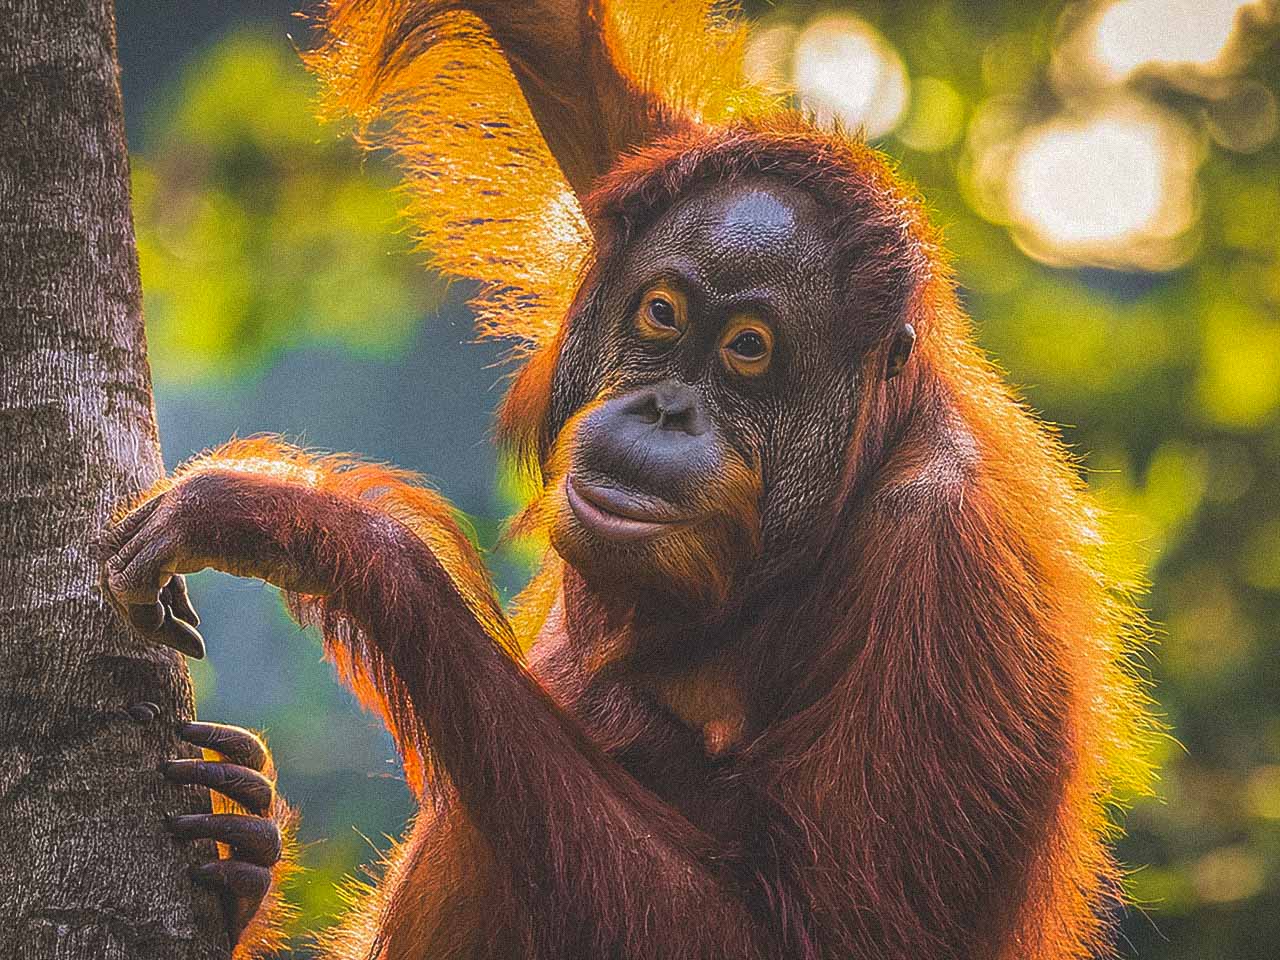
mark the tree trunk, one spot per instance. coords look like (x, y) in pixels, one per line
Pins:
(86, 867)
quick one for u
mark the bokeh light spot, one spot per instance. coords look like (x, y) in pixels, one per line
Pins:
(846, 72)
(1064, 181)
(1229, 874)
(1246, 120)
(1131, 34)
(936, 118)
(1115, 187)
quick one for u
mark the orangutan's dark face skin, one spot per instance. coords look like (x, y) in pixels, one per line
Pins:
(705, 386)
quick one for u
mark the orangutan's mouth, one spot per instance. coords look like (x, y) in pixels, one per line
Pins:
(620, 515)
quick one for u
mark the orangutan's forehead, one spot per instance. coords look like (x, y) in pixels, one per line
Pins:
(744, 232)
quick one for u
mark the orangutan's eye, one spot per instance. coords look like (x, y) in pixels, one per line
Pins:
(662, 312)
(661, 315)
(747, 348)
(749, 345)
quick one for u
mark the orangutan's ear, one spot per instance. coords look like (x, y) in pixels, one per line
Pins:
(900, 350)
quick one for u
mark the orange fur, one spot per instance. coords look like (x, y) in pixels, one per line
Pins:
(488, 197)
(925, 735)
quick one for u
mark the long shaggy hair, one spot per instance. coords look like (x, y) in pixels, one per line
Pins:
(955, 706)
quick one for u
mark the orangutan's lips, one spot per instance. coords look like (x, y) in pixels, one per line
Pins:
(616, 515)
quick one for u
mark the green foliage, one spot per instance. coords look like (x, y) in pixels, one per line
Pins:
(259, 231)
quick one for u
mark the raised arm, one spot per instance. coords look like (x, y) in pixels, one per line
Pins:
(405, 610)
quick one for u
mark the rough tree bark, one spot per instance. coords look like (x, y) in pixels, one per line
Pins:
(86, 868)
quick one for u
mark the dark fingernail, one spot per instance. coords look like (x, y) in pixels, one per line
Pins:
(144, 712)
(175, 822)
(182, 636)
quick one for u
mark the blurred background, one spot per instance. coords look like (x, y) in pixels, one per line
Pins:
(1108, 175)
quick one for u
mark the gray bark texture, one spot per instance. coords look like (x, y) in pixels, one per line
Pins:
(86, 867)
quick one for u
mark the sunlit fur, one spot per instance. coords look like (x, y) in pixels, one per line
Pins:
(400, 495)
(934, 719)
(482, 188)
